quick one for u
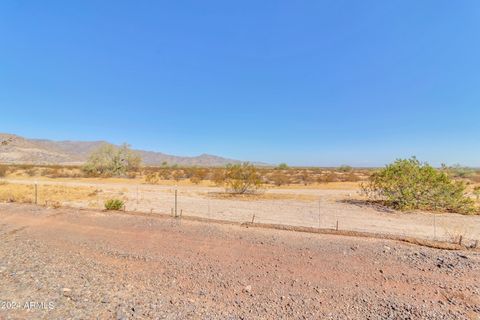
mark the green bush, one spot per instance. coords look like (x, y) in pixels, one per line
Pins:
(114, 204)
(282, 166)
(408, 184)
(242, 178)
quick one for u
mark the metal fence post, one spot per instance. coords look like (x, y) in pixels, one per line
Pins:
(137, 194)
(434, 227)
(319, 209)
(175, 201)
(36, 193)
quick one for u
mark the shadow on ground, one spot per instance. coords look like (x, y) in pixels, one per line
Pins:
(376, 205)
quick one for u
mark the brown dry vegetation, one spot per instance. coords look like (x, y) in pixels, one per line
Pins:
(46, 194)
(197, 175)
(290, 177)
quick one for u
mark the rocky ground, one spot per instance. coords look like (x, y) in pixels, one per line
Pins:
(72, 264)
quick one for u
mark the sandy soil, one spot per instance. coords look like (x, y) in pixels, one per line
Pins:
(77, 264)
(306, 207)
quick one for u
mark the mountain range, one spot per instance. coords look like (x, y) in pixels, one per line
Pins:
(20, 150)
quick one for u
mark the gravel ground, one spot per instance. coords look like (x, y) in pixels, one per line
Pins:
(72, 264)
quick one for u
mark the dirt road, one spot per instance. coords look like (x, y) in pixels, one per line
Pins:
(72, 264)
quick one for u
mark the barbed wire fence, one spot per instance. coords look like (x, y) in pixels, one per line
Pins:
(321, 213)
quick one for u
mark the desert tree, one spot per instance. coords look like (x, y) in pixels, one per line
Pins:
(111, 160)
(242, 178)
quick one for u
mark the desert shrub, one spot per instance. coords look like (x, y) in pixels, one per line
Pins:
(195, 180)
(218, 177)
(114, 204)
(110, 160)
(351, 177)
(3, 171)
(164, 174)
(151, 178)
(178, 175)
(476, 192)
(457, 171)
(197, 175)
(242, 178)
(54, 172)
(328, 177)
(31, 172)
(409, 184)
(279, 178)
(131, 174)
(25, 166)
(282, 166)
(344, 168)
(305, 177)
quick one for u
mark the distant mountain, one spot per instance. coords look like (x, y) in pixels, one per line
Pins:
(40, 151)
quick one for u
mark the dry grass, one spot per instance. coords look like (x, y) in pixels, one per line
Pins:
(24, 193)
(455, 232)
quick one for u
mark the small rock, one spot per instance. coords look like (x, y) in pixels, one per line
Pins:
(66, 292)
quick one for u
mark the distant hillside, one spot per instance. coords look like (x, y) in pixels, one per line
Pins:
(40, 151)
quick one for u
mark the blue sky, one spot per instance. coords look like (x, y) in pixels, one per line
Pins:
(303, 82)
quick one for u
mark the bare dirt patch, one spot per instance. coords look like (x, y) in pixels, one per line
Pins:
(259, 196)
(92, 264)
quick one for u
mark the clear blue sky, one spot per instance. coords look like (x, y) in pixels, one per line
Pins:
(303, 82)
